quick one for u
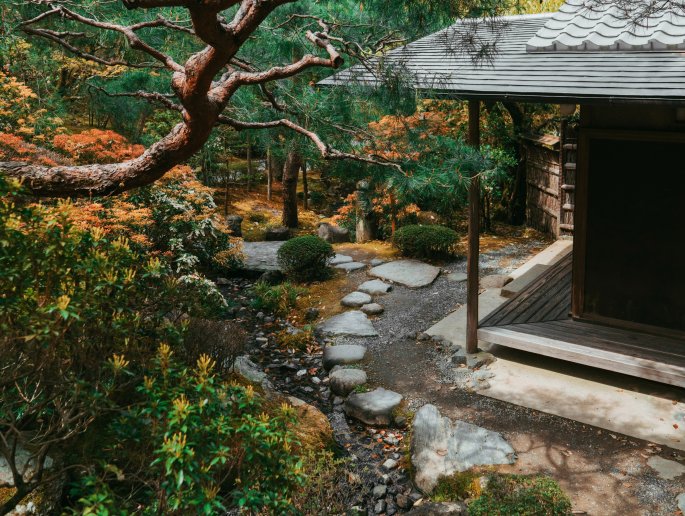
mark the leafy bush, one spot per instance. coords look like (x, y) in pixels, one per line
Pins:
(326, 489)
(517, 495)
(277, 299)
(300, 340)
(222, 340)
(305, 258)
(194, 445)
(425, 241)
(76, 308)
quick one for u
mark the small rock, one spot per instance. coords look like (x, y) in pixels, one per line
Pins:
(375, 287)
(355, 299)
(680, 501)
(380, 507)
(480, 359)
(316, 380)
(340, 258)
(351, 266)
(247, 368)
(457, 277)
(355, 511)
(372, 309)
(344, 381)
(389, 465)
(400, 421)
(379, 491)
(301, 372)
(403, 501)
(277, 234)
(436, 509)
(495, 281)
(666, 469)
(338, 400)
(234, 223)
(222, 282)
(272, 277)
(332, 233)
(423, 337)
(373, 408)
(391, 509)
(311, 314)
(342, 354)
(459, 357)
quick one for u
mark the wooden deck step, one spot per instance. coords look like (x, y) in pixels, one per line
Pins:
(660, 359)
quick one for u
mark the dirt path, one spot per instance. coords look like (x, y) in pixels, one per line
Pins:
(603, 473)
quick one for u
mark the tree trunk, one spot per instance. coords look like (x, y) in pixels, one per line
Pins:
(249, 162)
(269, 174)
(305, 187)
(516, 205)
(227, 175)
(291, 172)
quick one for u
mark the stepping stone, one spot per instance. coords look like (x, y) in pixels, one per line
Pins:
(261, 256)
(340, 258)
(375, 287)
(457, 277)
(353, 323)
(495, 281)
(439, 509)
(350, 266)
(344, 381)
(666, 469)
(342, 354)
(440, 447)
(680, 501)
(375, 262)
(355, 299)
(373, 408)
(410, 273)
(372, 309)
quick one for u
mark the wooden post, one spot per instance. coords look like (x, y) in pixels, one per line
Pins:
(305, 187)
(474, 238)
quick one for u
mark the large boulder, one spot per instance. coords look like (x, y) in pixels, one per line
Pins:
(277, 234)
(234, 223)
(373, 408)
(440, 447)
(333, 234)
(313, 430)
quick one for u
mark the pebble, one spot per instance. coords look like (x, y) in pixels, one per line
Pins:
(389, 464)
(380, 507)
(379, 491)
(301, 372)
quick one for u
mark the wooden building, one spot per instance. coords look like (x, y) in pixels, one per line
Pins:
(617, 301)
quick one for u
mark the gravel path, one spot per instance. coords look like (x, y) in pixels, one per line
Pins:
(604, 473)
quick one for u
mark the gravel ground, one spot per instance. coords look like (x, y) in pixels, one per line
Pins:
(604, 473)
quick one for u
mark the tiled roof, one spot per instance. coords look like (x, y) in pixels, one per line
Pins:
(434, 68)
(582, 25)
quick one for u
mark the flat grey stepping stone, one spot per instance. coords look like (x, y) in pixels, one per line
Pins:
(342, 354)
(375, 287)
(261, 256)
(680, 501)
(344, 381)
(410, 273)
(457, 277)
(666, 469)
(353, 323)
(340, 258)
(355, 299)
(375, 262)
(440, 447)
(372, 309)
(373, 408)
(350, 266)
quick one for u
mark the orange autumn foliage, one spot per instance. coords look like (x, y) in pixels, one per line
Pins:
(15, 148)
(97, 146)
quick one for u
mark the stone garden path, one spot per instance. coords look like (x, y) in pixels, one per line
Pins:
(603, 473)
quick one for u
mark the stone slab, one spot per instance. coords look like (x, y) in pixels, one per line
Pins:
(374, 407)
(355, 299)
(350, 266)
(354, 323)
(340, 258)
(342, 355)
(344, 381)
(261, 256)
(495, 280)
(372, 309)
(440, 447)
(666, 469)
(457, 277)
(375, 287)
(680, 502)
(410, 273)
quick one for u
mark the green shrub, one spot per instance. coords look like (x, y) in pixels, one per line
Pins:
(305, 258)
(518, 495)
(299, 341)
(425, 241)
(278, 299)
(194, 445)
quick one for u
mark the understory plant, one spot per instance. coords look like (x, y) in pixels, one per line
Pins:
(425, 241)
(306, 258)
(278, 299)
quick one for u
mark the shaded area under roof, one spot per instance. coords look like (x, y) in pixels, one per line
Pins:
(433, 67)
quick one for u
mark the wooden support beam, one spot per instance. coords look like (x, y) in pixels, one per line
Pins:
(472, 282)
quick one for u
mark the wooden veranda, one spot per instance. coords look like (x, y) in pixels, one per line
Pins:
(538, 320)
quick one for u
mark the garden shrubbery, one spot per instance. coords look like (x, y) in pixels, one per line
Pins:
(306, 258)
(277, 299)
(425, 241)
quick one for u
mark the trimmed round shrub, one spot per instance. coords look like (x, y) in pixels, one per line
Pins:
(425, 241)
(305, 258)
